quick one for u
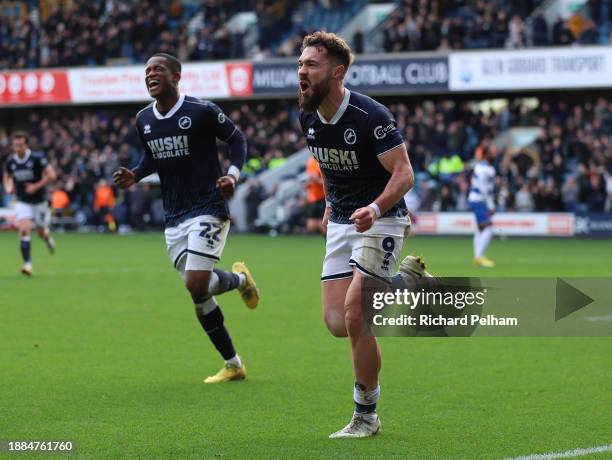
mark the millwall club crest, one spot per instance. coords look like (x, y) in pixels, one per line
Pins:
(350, 137)
(184, 122)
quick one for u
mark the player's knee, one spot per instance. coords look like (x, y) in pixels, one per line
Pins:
(335, 323)
(197, 288)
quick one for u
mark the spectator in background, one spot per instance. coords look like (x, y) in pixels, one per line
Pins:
(596, 193)
(517, 33)
(358, 42)
(140, 201)
(539, 30)
(60, 201)
(315, 197)
(608, 179)
(569, 192)
(104, 205)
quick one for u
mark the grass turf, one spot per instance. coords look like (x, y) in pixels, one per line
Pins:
(102, 347)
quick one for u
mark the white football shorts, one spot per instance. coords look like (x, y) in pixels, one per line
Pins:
(374, 253)
(197, 243)
(38, 213)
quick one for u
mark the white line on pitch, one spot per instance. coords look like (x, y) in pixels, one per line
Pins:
(599, 318)
(566, 454)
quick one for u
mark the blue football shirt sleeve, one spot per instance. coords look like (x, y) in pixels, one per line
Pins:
(222, 125)
(7, 166)
(42, 159)
(146, 165)
(383, 130)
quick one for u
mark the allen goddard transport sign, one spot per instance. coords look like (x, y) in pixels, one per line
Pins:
(554, 68)
(380, 76)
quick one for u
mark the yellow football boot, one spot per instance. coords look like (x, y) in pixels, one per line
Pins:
(249, 291)
(227, 373)
(484, 262)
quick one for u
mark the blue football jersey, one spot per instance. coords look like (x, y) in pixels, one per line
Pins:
(25, 171)
(182, 147)
(347, 149)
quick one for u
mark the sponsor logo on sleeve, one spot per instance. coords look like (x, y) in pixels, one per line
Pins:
(221, 118)
(381, 132)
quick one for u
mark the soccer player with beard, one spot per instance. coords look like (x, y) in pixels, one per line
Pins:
(179, 135)
(366, 173)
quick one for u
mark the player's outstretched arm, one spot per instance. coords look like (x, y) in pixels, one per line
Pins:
(48, 176)
(238, 147)
(124, 178)
(7, 183)
(227, 186)
(395, 161)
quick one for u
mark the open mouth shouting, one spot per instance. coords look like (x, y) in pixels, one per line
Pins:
(153, 84)
(304, 86)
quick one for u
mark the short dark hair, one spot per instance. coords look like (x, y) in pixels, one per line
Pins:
(175, 64)
(21, 135)
(335, 45)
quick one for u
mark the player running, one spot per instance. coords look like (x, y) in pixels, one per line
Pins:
(178, 134)
(366, 174)
(481, 203)
(27, 174)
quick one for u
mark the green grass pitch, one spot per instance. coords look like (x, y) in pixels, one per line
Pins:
(102, 347)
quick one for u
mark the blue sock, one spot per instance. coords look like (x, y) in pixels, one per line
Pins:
(365, 401)
(227, 281)
(365, 409)
(25, 249)
(212, 323)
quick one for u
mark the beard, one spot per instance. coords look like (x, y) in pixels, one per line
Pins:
(318, 93)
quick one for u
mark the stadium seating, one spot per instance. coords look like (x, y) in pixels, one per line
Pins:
(57, 34)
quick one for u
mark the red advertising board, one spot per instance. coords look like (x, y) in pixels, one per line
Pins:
(34, 87)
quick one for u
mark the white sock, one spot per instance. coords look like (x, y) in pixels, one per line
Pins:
(213, 283)
(242, 277)
(366, 397)
(235, 361)
(485, 239)
(207, 306)
(477, 236)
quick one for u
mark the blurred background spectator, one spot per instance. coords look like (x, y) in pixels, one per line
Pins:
(108, 32)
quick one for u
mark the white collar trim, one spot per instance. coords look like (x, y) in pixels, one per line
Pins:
(340, 112)
(25, 158)
(172, 111)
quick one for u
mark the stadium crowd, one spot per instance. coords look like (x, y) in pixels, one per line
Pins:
(568, 168)
(105, 32)
(420, 25)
